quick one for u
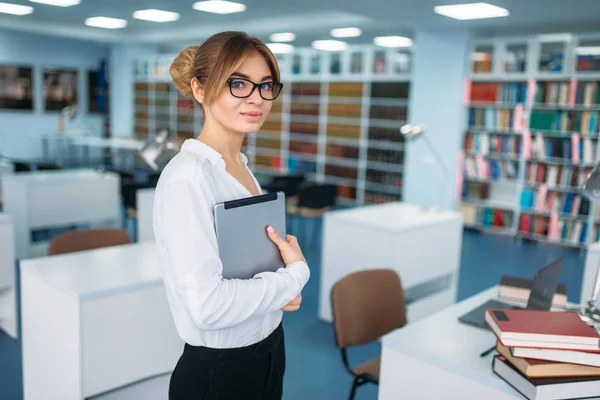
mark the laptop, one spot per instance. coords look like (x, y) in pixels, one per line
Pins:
(542, 292)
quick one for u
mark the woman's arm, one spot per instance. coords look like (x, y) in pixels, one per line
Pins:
(211, 301)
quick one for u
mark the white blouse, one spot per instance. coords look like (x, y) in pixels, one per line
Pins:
(207, 309)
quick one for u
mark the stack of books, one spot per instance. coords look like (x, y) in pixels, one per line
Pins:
(546, 355)
(515, 289)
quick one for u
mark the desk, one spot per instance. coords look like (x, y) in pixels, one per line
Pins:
(144, 204)
(8, 301)
(6, 167)
(439, 355)
(423, 247)
(94, 321)
(40, 200)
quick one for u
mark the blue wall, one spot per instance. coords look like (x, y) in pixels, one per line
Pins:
(436, 100)
(20, 131)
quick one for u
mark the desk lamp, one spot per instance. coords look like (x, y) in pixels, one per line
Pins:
(67, 114)
(414, 131)
(591, 190)
(155, 147)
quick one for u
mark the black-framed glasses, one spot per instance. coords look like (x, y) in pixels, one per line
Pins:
(243, 88)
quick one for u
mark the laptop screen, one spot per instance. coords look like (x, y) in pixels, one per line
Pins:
(544, 286)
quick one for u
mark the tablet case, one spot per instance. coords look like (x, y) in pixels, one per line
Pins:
(241, 226)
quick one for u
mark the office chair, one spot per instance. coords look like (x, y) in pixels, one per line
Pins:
(314, 200)
(366, 305)
(71, 242)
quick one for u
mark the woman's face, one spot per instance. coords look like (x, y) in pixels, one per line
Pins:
(244, 115)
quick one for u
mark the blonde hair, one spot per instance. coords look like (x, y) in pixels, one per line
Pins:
(215, 60)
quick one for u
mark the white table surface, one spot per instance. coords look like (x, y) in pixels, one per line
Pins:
(394, 216)
(59, 176)
(8, 303)
(441, 350)
(99, 272)
(95, 321)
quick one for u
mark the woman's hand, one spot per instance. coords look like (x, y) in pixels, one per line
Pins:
(289, 248)
(294, 304)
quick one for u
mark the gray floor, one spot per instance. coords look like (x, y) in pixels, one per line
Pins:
(314, 368)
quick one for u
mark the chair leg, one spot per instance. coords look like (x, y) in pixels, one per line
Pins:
(355, 384)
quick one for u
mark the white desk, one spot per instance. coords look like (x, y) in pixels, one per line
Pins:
(8, 301)
(45, 199)
(592, 262)
(94, 321)
(423, 247)
(6, 167)
(144, 210)
(439, 355)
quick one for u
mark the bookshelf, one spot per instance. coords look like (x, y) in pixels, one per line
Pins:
(337, 119)
(531, 139)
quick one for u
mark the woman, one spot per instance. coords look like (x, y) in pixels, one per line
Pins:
(232, 328)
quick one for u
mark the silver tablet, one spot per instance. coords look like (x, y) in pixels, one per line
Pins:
(241, 225)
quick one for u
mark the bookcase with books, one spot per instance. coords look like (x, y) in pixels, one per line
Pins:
(532, 138)
(337, 120)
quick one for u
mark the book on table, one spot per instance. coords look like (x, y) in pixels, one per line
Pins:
(518, 289)
(542, 329)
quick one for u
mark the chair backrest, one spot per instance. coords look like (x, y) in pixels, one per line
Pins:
(288, 183)
(71, 242)
(367, 305)
(317, 195)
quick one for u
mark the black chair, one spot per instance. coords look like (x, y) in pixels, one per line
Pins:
(314, 200)
(21, 166)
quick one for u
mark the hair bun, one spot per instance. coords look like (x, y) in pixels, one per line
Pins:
(182, 70)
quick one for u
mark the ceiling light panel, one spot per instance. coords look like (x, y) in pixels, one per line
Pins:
(346, 32)
(156, 15)
(219, 6)
(329, 45)
(15, 9)
(282, 37)
(58, 3)
(106, 22)
(471, 11)
(280, 48)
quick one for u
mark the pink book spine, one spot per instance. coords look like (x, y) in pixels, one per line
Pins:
(575, 147)
(467, 92)
(531, 88)
(572, 91)
(459, 176)
(541, 198)
(518, 118)
(481, 167)
(527, 144)
(553, 228)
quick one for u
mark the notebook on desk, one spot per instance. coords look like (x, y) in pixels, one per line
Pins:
(542, 292)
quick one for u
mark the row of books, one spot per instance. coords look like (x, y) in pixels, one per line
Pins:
(554, 202)
(490, 169)
(491, 118)
(484, 143)
(588, 93)
(573, 148)
(556, 175)
(546, 354)
(585, 122)
(554, 229)
(511, 93)
(486, 217)
(384, 178)
(552, 93)
(378, 198)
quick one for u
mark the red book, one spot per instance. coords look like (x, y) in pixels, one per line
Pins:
(542, 329)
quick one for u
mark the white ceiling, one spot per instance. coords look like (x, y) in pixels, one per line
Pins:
(309, 19)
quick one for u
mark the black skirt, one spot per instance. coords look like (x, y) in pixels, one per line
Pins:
(251, 373)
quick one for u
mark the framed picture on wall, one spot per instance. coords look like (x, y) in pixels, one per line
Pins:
(16, 87)
(60, 88)
(97, 93)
